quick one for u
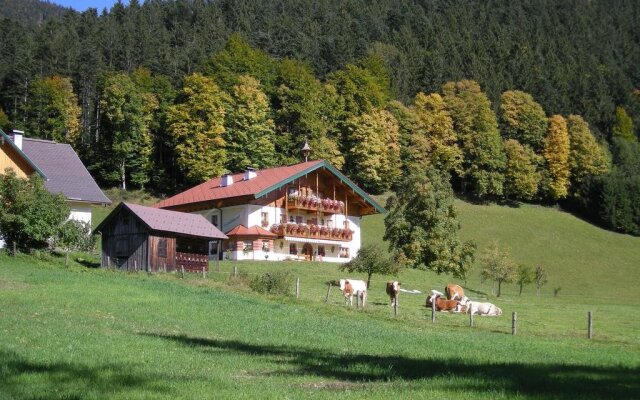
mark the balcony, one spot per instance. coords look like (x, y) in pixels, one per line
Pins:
(312, 232)
(314, 203)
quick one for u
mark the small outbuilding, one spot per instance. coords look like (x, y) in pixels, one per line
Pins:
(139, 238)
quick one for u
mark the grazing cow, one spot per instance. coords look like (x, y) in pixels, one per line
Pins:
(477, 308)
(455, 292)
(443, 304)
(350, 287)
(393, 290)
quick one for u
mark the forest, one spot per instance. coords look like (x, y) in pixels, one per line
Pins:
(518, 101)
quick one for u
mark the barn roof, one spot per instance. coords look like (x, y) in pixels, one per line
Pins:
(265, 182)
(169, 221)
(254, 231)
(64, 171)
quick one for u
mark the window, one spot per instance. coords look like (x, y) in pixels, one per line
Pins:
(291, 219)
(162, 248)
(344, 252)
(213, 248)
(265, 219)
(293, 249)
(298, 219)
(248, 245)
(265, 245)
(214, 220)
(321, 250)
(346, 224)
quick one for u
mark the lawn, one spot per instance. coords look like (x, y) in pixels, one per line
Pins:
(89, 333)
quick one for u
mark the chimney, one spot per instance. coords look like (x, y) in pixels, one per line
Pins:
(249, 173)
(226, 180)
(17, 138)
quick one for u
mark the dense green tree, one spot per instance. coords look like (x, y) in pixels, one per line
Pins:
(556, 154)
(307, 110)
(521, 177)
(522, 119)
(623, 126)
(196, 124)
(127, 112)
(74, 235)
(53, 112)
(374, 158)
(433, 140)
(4, 120)
(360, 88)
(249, 132)
(29, 215)
(479, 139)
(422, 227)
(372, 260)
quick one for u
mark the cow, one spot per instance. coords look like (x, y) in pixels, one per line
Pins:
(455, 292)
(393, 290)
(443, 304)
(477, 308)
(350, 287)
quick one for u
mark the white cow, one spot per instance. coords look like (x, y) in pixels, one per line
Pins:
(350, 287)
(488, 309)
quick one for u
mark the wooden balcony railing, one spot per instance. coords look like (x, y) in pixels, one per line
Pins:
(192, 262)
(313, 203)
(312, 232)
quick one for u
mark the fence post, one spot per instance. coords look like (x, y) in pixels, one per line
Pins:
(297, 288)
(182, 271)
(235, 271)
(433, 310)
(326, 299)
(135, 265)
(514, 319)
(590, 327)
(470, 319)
(204, 273)
(14, 249)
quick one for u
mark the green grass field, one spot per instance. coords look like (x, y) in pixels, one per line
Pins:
(83, 333)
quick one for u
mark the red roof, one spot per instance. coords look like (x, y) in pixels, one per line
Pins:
(170, 221)
(211, 190)
(241, 230)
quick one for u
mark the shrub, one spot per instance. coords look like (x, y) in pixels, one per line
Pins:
(273, 283)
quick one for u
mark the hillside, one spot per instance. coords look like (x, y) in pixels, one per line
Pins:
(580, 258)
(31, 11)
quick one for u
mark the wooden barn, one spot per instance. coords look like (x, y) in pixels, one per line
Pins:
(138, 238)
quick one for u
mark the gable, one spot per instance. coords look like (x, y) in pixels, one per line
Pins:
(12, 157)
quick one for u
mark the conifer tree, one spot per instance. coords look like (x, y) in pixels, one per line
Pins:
(196, 124)
(556, 154)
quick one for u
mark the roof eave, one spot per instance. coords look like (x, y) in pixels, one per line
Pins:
(22, 154)
(336, 172)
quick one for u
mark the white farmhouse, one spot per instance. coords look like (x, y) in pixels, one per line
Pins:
(306, 211)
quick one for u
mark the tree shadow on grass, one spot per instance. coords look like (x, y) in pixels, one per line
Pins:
(88, 263)
(21, 378)
(559, 381)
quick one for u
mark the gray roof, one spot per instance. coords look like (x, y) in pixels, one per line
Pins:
(175, 221)
(64, 170)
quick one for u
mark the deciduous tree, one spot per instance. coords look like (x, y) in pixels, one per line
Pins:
(372, 260)
(521, 177)
(196, 124)
(623, 126)
(540, 278)
(523, 119)
(422, 225)
(556, 154)
(496, 265)
(586, 157)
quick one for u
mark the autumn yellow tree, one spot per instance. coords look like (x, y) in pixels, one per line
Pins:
(53, 112)
(521, 177)
(522, 119)
(556, 154)
(374, 158)
(196, 124)
(433, 141)
(586, 157)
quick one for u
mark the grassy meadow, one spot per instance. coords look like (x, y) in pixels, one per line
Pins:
(88, 333)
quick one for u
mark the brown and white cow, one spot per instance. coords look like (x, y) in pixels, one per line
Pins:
(393, 290)
(477, 308)
(350, 287)
(455, 292)
(443, 304)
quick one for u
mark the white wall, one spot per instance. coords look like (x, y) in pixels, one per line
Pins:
(80, 211)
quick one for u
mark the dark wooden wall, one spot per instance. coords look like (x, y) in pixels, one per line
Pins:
(125, 243)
